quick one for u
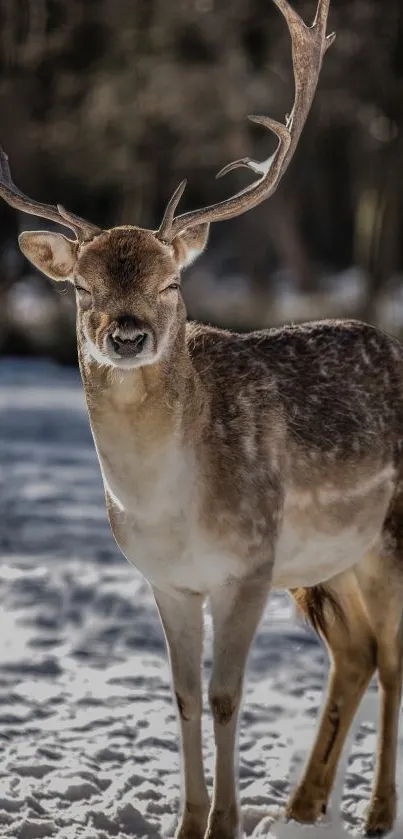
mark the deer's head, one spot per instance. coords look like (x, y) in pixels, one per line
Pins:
(127, 279)
(127, 284)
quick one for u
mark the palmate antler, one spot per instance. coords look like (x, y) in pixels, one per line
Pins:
(84, 230)
(309, 45)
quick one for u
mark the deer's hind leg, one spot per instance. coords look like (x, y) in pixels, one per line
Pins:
(360, 616)
(338, 613)
(381, 582)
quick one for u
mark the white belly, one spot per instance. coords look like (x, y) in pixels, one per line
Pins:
(201, 566)
(179, 555)
(324, 531)
(308, 562)
(185, 560)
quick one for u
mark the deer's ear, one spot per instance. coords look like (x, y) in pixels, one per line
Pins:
(190, 244)
(52, 253)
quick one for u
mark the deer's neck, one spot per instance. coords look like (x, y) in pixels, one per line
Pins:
(143, 419)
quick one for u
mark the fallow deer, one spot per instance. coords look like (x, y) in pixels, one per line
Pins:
(238, 464)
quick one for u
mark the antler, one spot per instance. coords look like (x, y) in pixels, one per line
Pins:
(309, 45)
(83, 229)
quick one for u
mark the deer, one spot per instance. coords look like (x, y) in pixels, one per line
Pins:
(238, 464)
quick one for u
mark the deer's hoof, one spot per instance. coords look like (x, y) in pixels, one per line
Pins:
(381, 815)
(306, 807)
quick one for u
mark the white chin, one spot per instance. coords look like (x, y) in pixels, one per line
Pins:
(106, 360)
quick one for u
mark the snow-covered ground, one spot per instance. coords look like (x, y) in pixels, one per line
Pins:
(88, 730)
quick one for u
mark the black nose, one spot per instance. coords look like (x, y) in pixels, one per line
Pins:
(129, 344)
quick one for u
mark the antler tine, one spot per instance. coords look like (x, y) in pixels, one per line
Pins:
(84, 230)
(309, 45)
(168, 218)
(260, 168)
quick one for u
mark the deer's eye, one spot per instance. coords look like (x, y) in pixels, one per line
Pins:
(171, 287)
(81, 288)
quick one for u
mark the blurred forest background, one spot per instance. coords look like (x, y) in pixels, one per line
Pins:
(107, 104)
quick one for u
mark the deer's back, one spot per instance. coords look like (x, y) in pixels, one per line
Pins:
(335, 388)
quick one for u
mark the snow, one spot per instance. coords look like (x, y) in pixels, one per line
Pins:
(88, 739)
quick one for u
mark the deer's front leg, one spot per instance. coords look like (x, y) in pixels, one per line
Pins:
(236, 609)
(182, 619)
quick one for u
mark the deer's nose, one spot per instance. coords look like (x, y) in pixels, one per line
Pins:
(128, 338)
(129, 346)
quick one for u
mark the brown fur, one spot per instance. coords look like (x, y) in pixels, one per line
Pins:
(223, 709)
(298, 428)
(232, 463)
(182, 707)
(319, 606)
